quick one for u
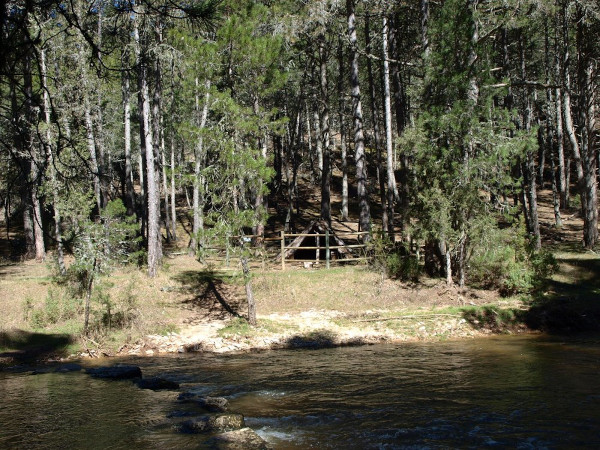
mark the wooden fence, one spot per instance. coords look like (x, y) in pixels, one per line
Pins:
(348, 249)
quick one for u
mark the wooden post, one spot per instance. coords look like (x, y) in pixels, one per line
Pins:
(282, 250)
(318, 246)
(327, 251)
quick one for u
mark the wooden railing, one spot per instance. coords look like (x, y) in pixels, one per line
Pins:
(346, 248)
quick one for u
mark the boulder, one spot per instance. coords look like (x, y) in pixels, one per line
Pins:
(243, 439)
(211, 404)
(118, 372)
(157, 384)
(206, 424)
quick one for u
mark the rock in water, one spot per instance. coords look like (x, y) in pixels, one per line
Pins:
(205, 424)
(211, 404)
(244, 439)
(157, 384)
(118, 372)
(68, 367)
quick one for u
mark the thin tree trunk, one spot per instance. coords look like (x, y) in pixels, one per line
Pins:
(343, 147)
(376, 132)
(586, 77)
(52, 170)
(129, 191)
(529, 167)
(198, 193)
(359, 140)
(563, 187)
(173, 206)
(424, 28)
(318, 142)
(35, 173)
(153, 215)
(325, 132)
(249, 292)
(392, 189)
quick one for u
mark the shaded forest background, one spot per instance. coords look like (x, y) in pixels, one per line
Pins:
(432, 124)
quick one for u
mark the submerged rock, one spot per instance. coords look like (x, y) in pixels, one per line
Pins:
(211, 404)
(205, 424)
(157, 384)
(118, 372)
(68, 367)
(243, 439)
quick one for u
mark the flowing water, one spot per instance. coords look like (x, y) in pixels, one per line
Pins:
(517, 392)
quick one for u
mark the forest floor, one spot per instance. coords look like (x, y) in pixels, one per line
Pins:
(192, 306)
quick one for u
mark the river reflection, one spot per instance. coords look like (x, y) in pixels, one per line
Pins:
(519, 392)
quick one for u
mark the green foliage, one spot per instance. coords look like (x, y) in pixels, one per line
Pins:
(58, 307)
(101, 244)
(504, 260)
(395, 261)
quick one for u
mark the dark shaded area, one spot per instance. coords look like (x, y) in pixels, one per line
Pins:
(569, 307)
(560, 308)
(23, 346)
(496, 320)
(315, 340)
(211, 297)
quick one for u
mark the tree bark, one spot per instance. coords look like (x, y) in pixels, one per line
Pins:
(586, 77)
(249, 292)
(53, 181)
(392, 189)
(129, 191)
(343, 147)
(198, 195)
(152, 207)
(376, 132)
(359, 139)
(325, 134)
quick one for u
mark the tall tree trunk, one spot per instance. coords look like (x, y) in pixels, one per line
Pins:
(376, 132)
(359, 139)
(325, 134)
(563, 187)
(53, 181)
(586, 77)
(103, 172)
(342, 119)
(35, 172)
(392, 189)
(129, 191)
(152, 195)
(529, 167)
(198, 195)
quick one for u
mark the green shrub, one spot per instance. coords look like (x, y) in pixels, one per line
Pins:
(505, 261)
(395, 261)
(403, 267)
(57, 307)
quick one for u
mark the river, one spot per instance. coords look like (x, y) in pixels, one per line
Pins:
(511, 391)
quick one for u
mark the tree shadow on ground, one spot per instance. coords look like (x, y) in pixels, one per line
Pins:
(571, 301)
(211, 297)
(568, 303)
(24, 346)
(319, 339)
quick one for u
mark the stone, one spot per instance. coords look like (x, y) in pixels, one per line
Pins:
(243, 439)
(207, 424)
(211, 404)
(118, 372)
(157, 384)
